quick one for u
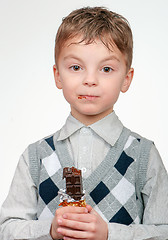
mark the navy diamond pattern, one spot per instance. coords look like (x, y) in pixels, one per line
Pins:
(48, 190)
(108, 196)
(99, 192)
(122, 217)
(123, 163)
(50, 142)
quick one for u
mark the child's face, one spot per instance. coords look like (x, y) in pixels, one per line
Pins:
(91, 77)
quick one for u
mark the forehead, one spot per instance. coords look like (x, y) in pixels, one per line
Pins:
(81, 40)
(78, 46)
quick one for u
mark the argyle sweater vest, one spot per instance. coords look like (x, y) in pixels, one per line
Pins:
(113, 189)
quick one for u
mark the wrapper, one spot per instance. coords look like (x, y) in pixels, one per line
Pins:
(74, 194)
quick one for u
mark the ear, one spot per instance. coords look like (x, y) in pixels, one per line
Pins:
(57, 77)
(127, 81)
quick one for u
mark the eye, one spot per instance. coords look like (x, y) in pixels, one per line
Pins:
(75, 68)
(107, 69)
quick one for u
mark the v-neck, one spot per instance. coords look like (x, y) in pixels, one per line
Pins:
(101, 171)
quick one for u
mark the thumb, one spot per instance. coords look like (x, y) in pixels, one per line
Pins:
(89, 208)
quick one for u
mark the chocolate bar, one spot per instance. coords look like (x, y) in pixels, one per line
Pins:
(73, 182)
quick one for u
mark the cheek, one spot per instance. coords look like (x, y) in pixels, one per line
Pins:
(66, 93)
(69, 93)
(111, 92)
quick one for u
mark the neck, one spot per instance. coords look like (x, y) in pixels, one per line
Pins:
(90, 119)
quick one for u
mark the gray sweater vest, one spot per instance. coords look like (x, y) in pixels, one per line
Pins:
(113, 189)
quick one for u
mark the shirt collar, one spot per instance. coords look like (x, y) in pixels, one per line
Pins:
(109, 128)
(71, 126)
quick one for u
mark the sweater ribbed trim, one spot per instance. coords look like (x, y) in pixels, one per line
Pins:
(37, 149)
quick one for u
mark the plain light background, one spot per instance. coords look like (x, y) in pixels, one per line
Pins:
(30, 105)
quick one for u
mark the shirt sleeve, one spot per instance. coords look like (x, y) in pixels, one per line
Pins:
(155, 196)
(19, 211)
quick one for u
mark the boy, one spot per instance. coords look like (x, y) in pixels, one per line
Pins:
(125, 181)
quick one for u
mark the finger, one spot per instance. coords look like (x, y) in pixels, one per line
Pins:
(76, 209)
(71, 209)
(69, 238)
(89, 208)
(87, 218)
(72, 224)
(94, 212)
(73, 234)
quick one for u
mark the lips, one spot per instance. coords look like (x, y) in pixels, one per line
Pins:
(80, 97)
(87, 97)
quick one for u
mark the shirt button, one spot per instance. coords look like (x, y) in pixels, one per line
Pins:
(83, 170)
(85, 130)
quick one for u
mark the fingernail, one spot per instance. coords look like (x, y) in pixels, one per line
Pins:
(59, 221)
(59, 230)
(64, 216)
(86, 210)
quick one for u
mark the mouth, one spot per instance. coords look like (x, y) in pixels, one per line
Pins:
(87, 97)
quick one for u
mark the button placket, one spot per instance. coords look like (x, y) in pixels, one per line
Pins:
(85, 151)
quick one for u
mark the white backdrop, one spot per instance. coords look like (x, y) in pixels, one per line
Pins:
(31, 107)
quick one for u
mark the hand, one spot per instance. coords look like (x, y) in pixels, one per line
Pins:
(59, 217)
(86, 226)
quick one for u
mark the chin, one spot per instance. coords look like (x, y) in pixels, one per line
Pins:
(89, 113)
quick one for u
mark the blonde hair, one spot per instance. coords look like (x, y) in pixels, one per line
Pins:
(96, 23)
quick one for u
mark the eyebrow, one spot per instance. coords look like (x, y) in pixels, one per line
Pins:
(72, 56)
(112, 57)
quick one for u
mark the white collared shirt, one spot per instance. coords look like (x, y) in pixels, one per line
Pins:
(88, 145)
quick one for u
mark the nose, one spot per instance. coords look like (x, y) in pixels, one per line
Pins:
(90, 80)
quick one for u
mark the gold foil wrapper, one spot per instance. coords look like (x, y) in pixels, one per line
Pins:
(80, 203)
